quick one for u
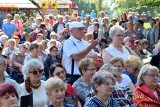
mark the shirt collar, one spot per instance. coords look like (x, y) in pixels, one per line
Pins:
(75, 40)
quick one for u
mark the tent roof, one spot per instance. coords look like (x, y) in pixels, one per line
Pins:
(19, 3)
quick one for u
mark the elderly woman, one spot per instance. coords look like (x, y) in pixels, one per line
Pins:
(52, 58)
(55, 90)
(132, 66)
(147, 92)
(16, 63)
(87, 69)
(57, 70)
(116, 48)
(122, 80)
(8, 51)
(8, 96)
(103, 84)
(32, 71)
(34, 50)
(123, 99)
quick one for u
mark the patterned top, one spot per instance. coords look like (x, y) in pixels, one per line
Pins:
(81, 89)
(95, 102)
(121, 96)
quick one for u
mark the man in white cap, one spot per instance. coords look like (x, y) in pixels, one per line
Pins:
(76, 48)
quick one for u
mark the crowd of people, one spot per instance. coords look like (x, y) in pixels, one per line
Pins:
(63, 61)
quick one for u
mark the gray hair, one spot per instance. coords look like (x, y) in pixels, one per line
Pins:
(144, 70)
(53, 83)
(108, 67)
(29, 64)
(99, 78)
(114, 30)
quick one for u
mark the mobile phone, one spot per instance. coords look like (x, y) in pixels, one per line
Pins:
(95, 34)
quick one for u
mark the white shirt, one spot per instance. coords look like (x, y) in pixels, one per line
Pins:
(69, 48)
(116, 53)
(40, 98)
(9, 52)
(28, 57)
(90, 29)
(125, 81)
(59, 29)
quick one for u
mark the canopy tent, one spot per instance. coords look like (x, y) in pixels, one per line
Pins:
(20, 4)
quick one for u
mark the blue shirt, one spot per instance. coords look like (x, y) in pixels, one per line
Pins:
(133, 78)
(9, 28)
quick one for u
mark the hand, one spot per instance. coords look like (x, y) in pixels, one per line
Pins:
(94, 43)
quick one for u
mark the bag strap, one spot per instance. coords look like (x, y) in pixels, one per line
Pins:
(72, 67)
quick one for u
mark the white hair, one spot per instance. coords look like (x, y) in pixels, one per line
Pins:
(29, 64)
(115, 29)
(3, 37)
(143, 71)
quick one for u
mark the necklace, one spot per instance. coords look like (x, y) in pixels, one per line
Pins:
(35, 86)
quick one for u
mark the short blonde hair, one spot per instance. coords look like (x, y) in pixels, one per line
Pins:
(133, 61)
(11, 41)
(54, 83)
(144, 70)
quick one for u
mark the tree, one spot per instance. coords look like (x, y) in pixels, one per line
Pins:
(147, 3)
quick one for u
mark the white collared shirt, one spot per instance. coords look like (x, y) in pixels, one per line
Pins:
(69, 48)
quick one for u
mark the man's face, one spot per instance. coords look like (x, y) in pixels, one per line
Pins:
(60, 20)
(78, 33)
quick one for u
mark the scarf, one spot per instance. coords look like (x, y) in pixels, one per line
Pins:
(144, 97)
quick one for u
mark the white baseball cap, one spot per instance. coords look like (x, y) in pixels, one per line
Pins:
(76, 25)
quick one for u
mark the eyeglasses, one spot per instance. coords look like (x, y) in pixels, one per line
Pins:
(152, 75)
(35, 72)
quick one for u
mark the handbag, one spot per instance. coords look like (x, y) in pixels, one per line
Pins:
(71, 100)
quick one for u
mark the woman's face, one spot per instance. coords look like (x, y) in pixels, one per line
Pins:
(34, 51)
(11, 44)
(151, 78)
(118, 38)
(129, 26)
(40, 48)
(106, 88)
(133, 70)
(9, 100)
(60, 73)
(57, 95)
(89, 72)
(54, 52)
(35, 74)
(119, 67)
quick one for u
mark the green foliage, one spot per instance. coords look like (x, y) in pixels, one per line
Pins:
(147, 3)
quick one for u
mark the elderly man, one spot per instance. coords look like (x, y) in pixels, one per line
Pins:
(59, 26)
(4, 79)
(75, 48)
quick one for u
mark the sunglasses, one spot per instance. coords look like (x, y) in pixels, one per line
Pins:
(35, 72)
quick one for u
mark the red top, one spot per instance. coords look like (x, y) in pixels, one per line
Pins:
(70, 90)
